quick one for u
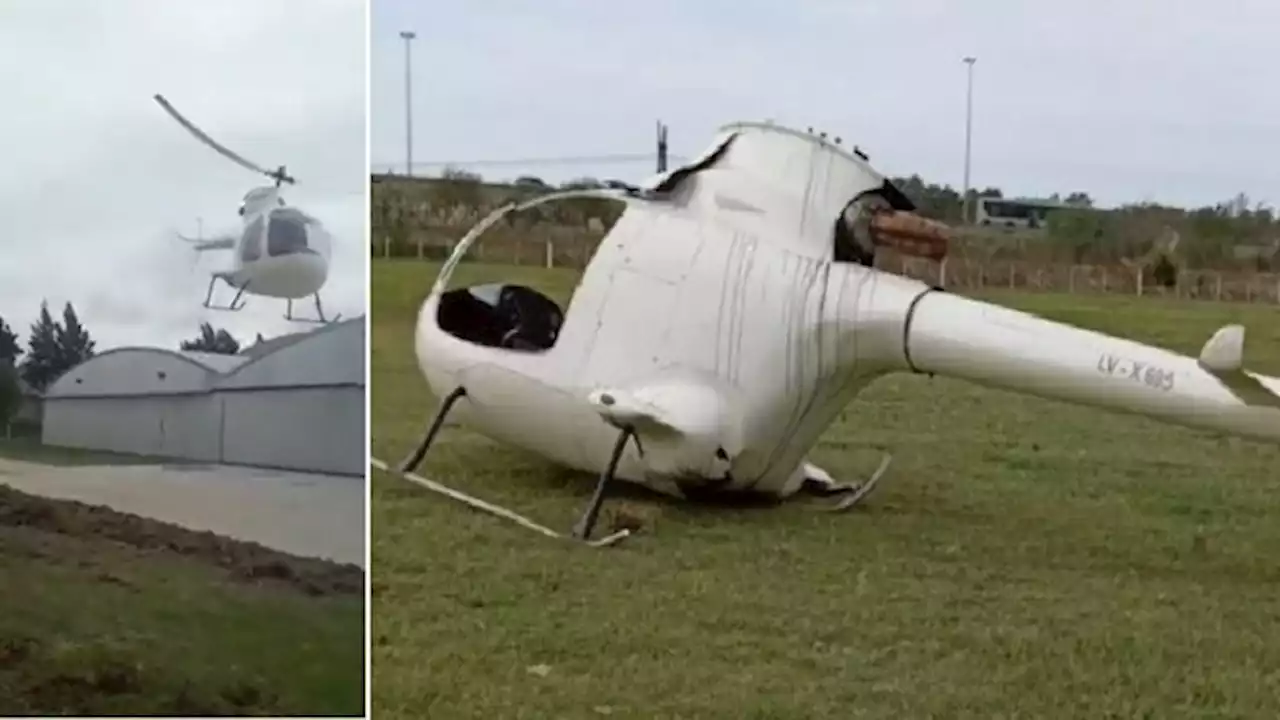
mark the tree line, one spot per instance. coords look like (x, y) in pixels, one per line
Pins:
(53, 347)
(1235, 233)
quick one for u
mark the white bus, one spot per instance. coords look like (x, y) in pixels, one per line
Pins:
(1015, 213)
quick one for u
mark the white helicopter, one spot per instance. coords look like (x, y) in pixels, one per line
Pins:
(279, 252)
(734, 311)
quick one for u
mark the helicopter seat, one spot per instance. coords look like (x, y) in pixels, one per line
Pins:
(512, 317)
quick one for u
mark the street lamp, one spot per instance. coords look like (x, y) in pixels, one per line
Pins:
(408, 36)
(968, 131)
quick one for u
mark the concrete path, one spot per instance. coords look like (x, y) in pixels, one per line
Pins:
(298, 513)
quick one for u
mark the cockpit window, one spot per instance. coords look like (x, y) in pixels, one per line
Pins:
(287, 233)
(251, 241)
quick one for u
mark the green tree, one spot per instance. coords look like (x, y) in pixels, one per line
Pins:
(460, 187)
(532, 182)
(10, 394)
(41, 365)
(9, 347)
(74, 343)
(209, 340)
(582, 183)
(1079, 198)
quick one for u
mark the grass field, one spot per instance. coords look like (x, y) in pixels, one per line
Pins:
(103, 613)
(30, 449)
(1023, 558)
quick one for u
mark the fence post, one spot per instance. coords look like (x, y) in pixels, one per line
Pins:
(1071, 279)
(942, 273)
(551, 252)
(1217, 287)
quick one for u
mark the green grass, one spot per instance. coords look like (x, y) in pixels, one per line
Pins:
(1024, 558)
(107, 614)
(30, 449)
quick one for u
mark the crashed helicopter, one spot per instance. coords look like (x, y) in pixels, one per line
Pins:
(734, 310)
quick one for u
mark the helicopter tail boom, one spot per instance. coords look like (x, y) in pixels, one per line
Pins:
(201, 245)
(1003, 348)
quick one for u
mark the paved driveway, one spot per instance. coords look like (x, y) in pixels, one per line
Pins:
(299, 513)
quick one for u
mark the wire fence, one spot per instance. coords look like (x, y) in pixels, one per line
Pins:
(568, 247)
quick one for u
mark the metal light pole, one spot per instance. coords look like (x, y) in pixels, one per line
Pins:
(408, 36)
(968, 132)
(662, 147)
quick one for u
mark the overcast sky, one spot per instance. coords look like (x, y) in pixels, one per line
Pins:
(98, 178)
(1172, 101)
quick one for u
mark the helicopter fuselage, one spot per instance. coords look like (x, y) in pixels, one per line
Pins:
(281, 252)
(717, 326)
(292, 277)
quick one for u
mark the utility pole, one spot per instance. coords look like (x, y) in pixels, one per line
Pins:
(968, 133)
(662, 147)
(408, 36)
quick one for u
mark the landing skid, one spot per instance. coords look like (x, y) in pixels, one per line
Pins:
(236, 304)
(319, 319)
(817, 481)
(581, 530)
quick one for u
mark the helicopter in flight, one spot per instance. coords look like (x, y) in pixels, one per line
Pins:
(279, 252)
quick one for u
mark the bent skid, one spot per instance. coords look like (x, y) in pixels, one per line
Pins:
(865, 489)
(497, 510)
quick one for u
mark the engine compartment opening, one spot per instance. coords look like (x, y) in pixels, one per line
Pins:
(501, 315)
(885, 218)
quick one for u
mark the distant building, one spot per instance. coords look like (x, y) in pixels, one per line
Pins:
(1019, 212)
(295, 402)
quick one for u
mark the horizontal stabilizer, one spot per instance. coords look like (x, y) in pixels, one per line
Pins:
(1223, 357)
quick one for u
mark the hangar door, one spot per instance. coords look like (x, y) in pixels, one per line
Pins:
(315, 429)
(176, 426)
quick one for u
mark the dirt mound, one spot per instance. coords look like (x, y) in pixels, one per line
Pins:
(244, 560)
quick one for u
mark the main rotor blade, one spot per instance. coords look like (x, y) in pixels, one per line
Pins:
(202, 137)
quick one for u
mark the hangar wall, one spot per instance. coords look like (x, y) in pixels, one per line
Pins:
(317, 429)
(299, 406)
(179, 426)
